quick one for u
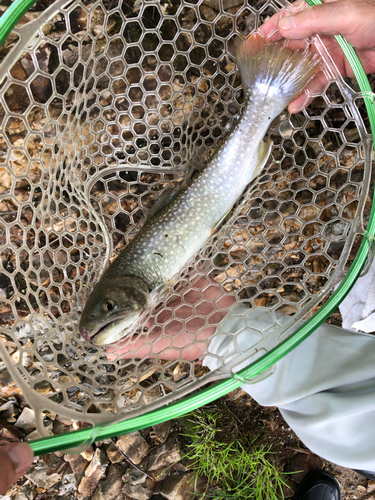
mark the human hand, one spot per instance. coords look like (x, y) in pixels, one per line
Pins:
(354, 20)
(15, 459)
(178, 342)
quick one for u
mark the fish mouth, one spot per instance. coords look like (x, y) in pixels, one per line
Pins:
(112, 330)
(91, 335)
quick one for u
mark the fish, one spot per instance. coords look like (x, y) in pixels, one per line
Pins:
(182, 222)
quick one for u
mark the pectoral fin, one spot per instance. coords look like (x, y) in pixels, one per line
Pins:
(164, 199)
(170, 193)
(264, 151)
(219, 222)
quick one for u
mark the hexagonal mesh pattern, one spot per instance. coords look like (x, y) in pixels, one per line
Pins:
(98, 116)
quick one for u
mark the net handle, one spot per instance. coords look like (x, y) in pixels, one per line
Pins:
(85, 437)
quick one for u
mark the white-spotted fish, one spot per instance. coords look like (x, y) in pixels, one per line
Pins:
(272, 76)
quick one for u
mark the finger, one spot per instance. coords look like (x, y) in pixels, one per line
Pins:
(330, 18)
(270, 28)
(314, 87)
(15, 460)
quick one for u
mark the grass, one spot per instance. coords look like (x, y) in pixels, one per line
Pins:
(232, 471)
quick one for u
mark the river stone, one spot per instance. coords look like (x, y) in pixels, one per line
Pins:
(113, 454)
(138, 491)
(181, 487)
(134, 446)
(26, 420)
(40, 475)
(164, 455)
(93, 474)
(110, 488)
(161, 431)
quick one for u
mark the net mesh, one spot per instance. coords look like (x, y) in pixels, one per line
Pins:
(100, 113)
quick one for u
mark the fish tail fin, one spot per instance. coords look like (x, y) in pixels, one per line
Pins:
(274, 70)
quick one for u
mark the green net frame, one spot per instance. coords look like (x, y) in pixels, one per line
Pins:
(83, 438)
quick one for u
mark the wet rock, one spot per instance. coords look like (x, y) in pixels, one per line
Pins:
(302, 463)
(93, 474)
(26, 420)
(161, 431)
(181, 487)
(134, 446)
(40, 476)
(111, 487)
(164, 455)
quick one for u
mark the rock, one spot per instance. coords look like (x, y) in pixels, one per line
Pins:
(9, 433)
(181, 370)
(8, 411)
(161, 431)
(55, 464)
(164, 455)
(111, 487)
(33, 435)
(113, 454)
(134, 446)
(26, 420)
(40, 476)
(289, 489)
(371, 486)
(65, 421)
(134, 476)
(44, 388)
(138, 491)
(93, 474)
(88, 454)
(302, 463)
(10, 390)
(68, 483)
(236, 394)
(182, 487)
(78, 465)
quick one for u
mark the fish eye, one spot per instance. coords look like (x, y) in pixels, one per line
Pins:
(109, 305)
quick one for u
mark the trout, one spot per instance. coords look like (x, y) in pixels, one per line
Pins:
(272, 76)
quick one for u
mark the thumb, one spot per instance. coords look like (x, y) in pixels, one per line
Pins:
(15, 459)
(325, 19)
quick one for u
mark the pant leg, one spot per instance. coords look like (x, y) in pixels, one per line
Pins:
(325, 390)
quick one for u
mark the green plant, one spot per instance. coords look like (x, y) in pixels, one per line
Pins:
(232, 471)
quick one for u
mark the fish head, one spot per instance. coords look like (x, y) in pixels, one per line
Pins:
(112, 309)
